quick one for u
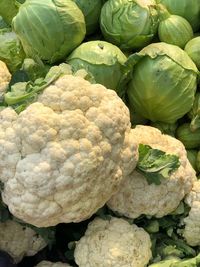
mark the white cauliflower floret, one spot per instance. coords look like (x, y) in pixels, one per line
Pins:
(71, 150)
(137, 197)
(52, 264)
(19, 241)
(113, 243)
(192, 223)
(5, 77)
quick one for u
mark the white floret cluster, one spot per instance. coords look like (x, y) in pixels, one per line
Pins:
(71, 152)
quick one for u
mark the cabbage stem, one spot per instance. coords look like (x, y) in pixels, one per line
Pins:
(163, 12)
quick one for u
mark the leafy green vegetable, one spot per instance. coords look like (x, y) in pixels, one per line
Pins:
(48, 234)
(190, 139)
(34, 70)
(23, 93)
(104, 61)
(173, 29)
(176, 262)
(192, 156)
(120, 22)
(189, 10)
(166, 128)
(192, 48)
(11, 51)
(166, 235)
(155, 164)
(166, 71)
(8, 9)
(194, 114)
(56, 27)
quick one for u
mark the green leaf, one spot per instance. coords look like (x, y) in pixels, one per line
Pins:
(48, 234)
(24, 93)
(155, 164)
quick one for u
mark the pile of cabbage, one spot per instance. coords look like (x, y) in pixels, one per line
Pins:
(148, 51)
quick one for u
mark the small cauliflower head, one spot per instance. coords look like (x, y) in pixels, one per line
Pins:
(52, 264)
(66, 154)
(5, 77)
(191, 231)
(19, 241)
(113, 243)
(136, 197)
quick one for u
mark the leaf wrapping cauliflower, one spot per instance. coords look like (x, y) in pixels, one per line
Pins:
(192, 222)
(52, 264)
(64, 156)
(137, 197)
(19, 241)
(113, 243)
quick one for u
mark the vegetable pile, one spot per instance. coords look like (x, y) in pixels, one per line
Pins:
(99, 133)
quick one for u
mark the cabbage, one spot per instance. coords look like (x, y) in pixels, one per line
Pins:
(191, 140)
(173, 29)
(192, 48)
(49, 30)
(189, 9)
(11, 51)
(192, 157)
(91, 10)
(104, 61)
(8, 9)
(163, 82)
(129, 24)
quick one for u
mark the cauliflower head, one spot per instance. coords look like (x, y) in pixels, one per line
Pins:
(136, 197)
(19, 241)
(191, 231)
(113, 243)
(52, 264)
(66, 154)
(5, 77)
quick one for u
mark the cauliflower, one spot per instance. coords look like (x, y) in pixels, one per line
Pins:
(113, 243)
(5, 77)
(192, 223)
(52, 264)
(64, 156)
(19, 241)
(137, 197)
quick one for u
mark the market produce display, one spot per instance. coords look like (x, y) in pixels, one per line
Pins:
(99, 133)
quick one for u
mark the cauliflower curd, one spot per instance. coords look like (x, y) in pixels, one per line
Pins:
(136, 197)
(113, 243)
(66, 154)
(19, 241)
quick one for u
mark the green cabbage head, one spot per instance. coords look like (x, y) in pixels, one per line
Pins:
(188, 9)
(163, 82)
(11, 51)
(104, 61)
(49, 30)
(129, 24)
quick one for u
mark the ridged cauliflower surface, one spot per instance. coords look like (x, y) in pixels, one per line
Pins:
(113, 243)
(137, 197)
(192, 223)
(19, 241)
(52, 264)
(5, 77)
(64, 156)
